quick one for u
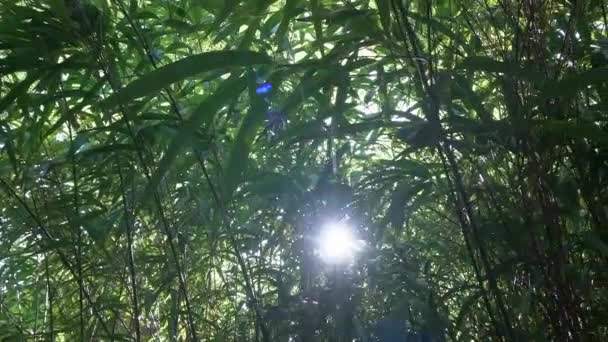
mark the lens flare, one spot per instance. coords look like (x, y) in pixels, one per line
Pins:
(263, 89)
(337, 243)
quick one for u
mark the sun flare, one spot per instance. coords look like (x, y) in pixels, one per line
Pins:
(337, 243)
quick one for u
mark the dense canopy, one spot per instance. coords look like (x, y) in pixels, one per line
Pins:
(303, 170)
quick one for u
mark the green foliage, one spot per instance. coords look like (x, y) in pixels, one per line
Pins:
(149, 191)
(178, 71)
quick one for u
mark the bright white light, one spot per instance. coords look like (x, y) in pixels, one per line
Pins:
(337, 244)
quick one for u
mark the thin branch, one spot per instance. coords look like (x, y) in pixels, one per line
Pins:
(131, 261)
(45, 233)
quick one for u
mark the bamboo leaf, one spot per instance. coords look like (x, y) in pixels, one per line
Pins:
(19, 89)
(203, 115)
(573, 130)
(227, 9)
(487, 64)
(239, 153)
(569, 85)
(182, 69)
(289, 12)
(384, 10)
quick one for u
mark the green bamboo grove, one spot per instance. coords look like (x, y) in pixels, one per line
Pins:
(303, 170)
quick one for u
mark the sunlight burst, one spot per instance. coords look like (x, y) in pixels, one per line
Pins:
(337, 243)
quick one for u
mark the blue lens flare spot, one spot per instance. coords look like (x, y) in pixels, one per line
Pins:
(264, 88)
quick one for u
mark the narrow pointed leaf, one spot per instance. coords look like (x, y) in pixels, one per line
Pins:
(239, 153)
(202, 116)
(182, 69)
